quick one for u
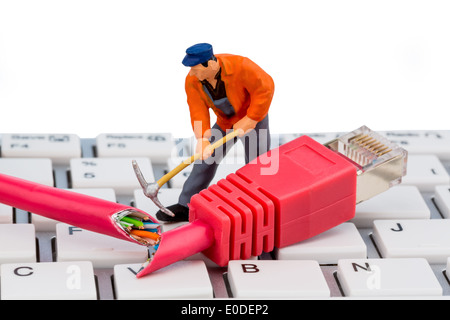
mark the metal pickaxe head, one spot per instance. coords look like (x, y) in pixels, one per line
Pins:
(150, 189)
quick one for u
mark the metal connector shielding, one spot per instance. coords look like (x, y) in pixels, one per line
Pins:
(380, 163)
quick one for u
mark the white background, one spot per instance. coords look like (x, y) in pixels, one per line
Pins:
(95, 66)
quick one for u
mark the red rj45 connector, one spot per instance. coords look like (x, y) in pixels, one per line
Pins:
(290, 194)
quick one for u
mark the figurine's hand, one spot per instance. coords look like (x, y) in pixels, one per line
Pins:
(245, 125)
(204, 148)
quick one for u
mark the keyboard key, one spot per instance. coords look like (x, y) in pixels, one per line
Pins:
(60, 148)
(6, 213)
(425, 172)
(447, 270)
(181, 280)
(429, 239)
(167, 197)
(46, 224)
(116, 173)
(423, 142)
(76, 244)
(48, 281)
(36, 170)
(157, 146)
(343, 241)
(442, 200)
(227, 166)
(102, 193)
(208, 262)
(319, 137)
(276, 279)
(400, 202)
(387, 277)
(17, 243)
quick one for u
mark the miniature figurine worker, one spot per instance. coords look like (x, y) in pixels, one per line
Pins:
(239, 92)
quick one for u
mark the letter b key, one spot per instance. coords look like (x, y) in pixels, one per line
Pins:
(276, 279)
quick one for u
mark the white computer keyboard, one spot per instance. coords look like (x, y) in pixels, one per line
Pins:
(398, 244)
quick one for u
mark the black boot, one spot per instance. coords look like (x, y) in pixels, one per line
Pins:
(181, 214)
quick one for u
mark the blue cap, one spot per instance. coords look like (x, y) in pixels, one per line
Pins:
(198, 53)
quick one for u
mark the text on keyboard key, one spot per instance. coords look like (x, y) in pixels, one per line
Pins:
(423, 142)
(75, 244)
(276, 279)
(181, 280)
(116, 173)
(17, 243)
(387, 277)
(48, 281)
(156, 146)
(60, 148)
(343, 241)
(429, 239)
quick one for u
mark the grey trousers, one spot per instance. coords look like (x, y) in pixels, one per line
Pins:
(256, 142)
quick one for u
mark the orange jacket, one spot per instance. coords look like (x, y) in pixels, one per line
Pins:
(249, 90)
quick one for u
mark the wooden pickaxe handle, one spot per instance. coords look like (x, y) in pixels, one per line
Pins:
(193, 158)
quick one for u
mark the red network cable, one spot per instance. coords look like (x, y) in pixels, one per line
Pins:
(290, 194)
